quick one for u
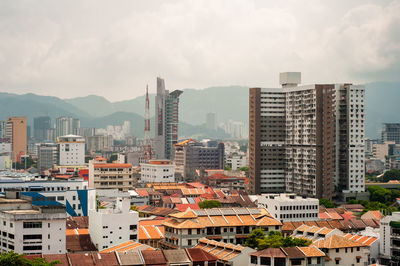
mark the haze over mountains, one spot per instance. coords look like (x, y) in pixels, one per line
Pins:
(229, 102)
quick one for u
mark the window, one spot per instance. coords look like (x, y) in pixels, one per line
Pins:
(133, 227)
(253, 260)
(133, 237)
(11, 225)
(337, 262)
(189, 242)
(32, 225)
(27, 237)
(358, 260)
(60, 198)
(11, 236)
(32, 248)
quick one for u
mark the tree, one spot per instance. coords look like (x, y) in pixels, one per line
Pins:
(14, 259)
(258, 239)
(113, 158)
(208, 204)
(253, 239)
(227, 167)
(327, 203)
(379, 194)
(391, 175)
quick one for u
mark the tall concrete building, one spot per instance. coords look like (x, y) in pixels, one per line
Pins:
(40, 127)
(211, 121)
(2, 129)
(307, 139)
(191, 156)
(391, 132)
(167, 120)
(67, 126)
(16, 132)
(47, 155)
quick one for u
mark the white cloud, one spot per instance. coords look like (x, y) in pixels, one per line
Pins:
(75, 48)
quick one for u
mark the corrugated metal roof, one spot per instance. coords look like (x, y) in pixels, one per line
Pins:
(176, 256)
(153, 257)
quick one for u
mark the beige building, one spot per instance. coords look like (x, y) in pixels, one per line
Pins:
(228, 225)
(380, 151)
(16, 131)
(103, 175)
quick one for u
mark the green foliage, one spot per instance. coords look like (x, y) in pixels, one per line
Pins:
(14, 259)
(257, 239)
(391, 175)
(394, 224)
(327, 203)
(379, 194)
(227, 167)
(208, 204)
(113, 158)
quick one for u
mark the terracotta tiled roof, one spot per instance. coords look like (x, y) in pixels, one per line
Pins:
(270, 253)
(336, 241)
(80, 242)
(311, 251)
(293, 252)
(184, 207)
(376, 215)
(367, 240)
(186, 214)
(154, 257)
(185, 224)
(199, 255)
(151, 232)
(113, 165)
(128, 245)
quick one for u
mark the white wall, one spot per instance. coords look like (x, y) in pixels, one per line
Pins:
(157, 173)
(109, 227)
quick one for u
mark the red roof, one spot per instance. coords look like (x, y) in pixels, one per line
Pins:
(184, 207)
(154, 257)
(113, 165)
(142, 192)
(198, 255)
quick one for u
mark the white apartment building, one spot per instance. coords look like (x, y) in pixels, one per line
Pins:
(236, 161)
(390, 237)
(289, 207)
(112, 226)
(157, 171)
(28, 229)
(71, 150)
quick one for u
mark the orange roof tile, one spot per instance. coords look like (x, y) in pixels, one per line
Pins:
(311, 251)
(113, 165)
(336, 241)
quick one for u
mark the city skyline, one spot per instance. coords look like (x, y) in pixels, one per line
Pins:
(68, 50)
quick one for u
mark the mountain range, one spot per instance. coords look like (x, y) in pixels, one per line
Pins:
(229, 103)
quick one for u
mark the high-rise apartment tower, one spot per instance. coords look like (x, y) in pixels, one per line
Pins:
(307, 139)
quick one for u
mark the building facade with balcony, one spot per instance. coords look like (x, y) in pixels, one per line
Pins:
(103, 175)
(229, 225)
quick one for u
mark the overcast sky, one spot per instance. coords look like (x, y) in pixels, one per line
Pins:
(114, 48)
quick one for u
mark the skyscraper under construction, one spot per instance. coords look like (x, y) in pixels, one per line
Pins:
(167, 120)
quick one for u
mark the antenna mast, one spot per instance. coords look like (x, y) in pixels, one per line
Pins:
(147, 141)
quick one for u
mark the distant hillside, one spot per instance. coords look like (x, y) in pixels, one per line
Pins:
(227, 102)
(31, 106)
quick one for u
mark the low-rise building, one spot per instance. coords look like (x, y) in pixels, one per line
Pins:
(103, 175)
(235, 162)
(229, 225)
(227, 254)
(157, 171)
(289, 207)
(288, 256)
(342, 251)
(28, 229)
(113, 225)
